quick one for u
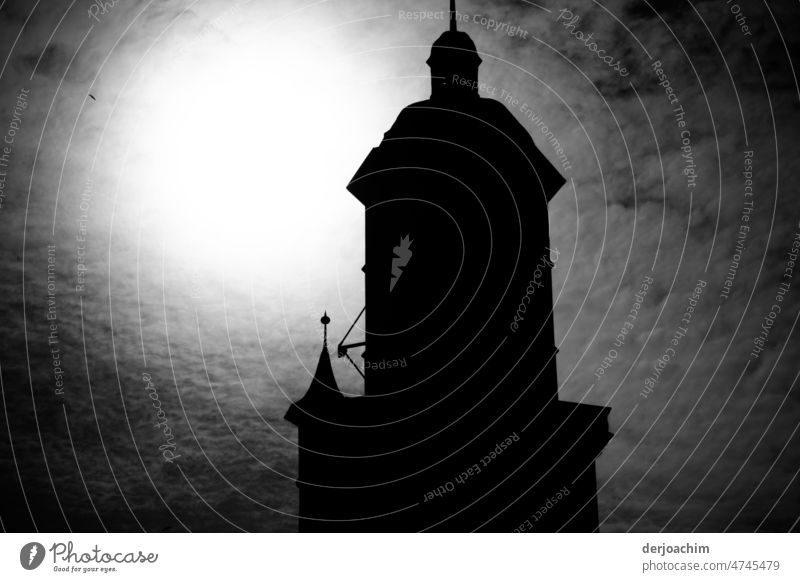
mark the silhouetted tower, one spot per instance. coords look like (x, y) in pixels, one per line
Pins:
(460, 353)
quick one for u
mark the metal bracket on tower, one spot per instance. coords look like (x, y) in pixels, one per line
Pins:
(341, 349)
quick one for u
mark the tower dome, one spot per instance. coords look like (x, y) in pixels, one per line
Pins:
(454, 63)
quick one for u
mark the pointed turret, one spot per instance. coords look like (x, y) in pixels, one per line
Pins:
(323, 395)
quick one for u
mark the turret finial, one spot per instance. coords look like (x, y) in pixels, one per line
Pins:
(453, 27)
(325, 320)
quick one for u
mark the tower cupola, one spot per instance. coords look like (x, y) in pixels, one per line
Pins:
(454, 63)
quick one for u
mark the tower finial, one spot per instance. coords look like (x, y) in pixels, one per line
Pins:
(453, 27)
(325, 320)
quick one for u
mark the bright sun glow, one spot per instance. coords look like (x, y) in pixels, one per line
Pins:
(250, 150)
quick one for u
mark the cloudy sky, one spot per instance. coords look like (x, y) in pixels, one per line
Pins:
(174, 221)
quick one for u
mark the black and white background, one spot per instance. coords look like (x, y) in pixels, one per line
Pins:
(174, 220)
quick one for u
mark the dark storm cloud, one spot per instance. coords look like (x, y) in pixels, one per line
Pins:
(714, 211)
(642, 9)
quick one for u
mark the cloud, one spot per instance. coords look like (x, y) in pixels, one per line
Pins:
(52, 62)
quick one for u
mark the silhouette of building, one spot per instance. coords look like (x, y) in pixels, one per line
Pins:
(460, 427)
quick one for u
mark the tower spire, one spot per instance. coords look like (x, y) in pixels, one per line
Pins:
(325, 320)
(453, 27)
